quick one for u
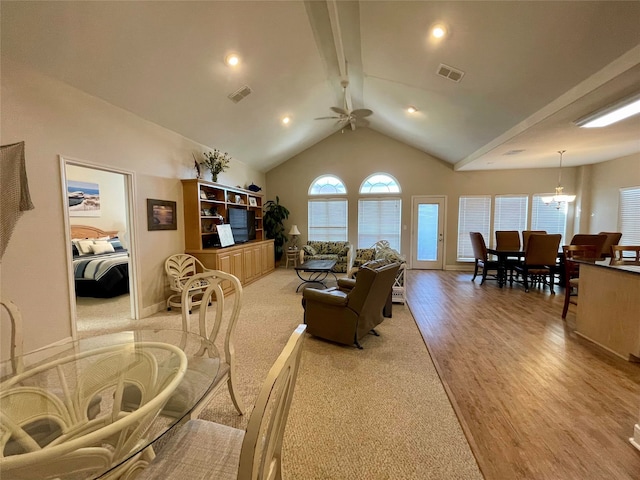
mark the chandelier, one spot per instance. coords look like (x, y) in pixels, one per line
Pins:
(559, 198)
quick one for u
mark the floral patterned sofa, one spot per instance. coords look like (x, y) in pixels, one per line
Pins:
(341, 252)
(381, 250)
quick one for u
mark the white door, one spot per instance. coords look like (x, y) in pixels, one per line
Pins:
(427, 241)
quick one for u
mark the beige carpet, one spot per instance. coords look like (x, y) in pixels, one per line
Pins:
(374, 414)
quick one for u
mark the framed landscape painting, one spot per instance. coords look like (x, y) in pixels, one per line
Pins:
(161, 215)
(83, 199)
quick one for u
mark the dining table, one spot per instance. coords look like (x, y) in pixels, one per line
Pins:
(503, 257)
(95, 407)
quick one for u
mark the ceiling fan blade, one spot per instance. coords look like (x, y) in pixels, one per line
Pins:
(339, 110)
(361, 122)
(362, 112)
(327, 118)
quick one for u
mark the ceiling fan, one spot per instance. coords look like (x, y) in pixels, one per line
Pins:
(355, 118)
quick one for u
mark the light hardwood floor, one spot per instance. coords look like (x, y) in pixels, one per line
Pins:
(536, 401)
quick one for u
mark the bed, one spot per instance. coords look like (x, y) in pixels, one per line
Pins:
(100, 262)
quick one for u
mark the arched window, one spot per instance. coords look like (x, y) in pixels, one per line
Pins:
(380, 183)
(327, 185)
(379, 211)
(327, 210)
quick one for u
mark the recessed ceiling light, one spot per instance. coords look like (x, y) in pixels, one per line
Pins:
(286, 120)
(439, 31)
(232, 60)
(412, 109)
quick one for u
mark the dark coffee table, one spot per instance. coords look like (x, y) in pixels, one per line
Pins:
(318, 271)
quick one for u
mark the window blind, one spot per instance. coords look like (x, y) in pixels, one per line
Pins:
(629, 216)
(548, 217)
(510, 213)
(327, 220)
(379, 219)
(474, 215)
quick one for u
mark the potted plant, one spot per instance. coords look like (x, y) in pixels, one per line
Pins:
(273, 218)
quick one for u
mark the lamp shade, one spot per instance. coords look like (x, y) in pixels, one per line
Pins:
(294, 230)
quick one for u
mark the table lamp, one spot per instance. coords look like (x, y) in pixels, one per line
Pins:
(294, 232)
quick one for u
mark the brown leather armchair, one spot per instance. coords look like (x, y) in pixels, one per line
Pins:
(346, 314)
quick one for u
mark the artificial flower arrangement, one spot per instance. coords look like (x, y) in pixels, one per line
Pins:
(216, 162)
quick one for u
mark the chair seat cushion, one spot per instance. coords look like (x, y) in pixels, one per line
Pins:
(199, 450)
(574, 282)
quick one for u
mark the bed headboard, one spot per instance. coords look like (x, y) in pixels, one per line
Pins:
(87, 231)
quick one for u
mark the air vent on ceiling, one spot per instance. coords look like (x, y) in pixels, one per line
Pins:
(513, 152)
(239, 94)
(449, 72)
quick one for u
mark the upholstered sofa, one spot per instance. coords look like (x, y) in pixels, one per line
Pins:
(341, 252)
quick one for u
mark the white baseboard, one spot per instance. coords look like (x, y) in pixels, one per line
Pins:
(153, 309)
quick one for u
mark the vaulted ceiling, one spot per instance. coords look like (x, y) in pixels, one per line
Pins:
(530, 69)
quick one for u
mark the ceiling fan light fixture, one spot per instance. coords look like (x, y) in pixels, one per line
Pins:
(232, 60)
(612, 113)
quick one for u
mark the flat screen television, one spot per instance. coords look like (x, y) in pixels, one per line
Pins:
(243, 224)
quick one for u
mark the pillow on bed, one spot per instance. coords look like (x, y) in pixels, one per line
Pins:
(115, 242)
(102, 246)
(85, 247)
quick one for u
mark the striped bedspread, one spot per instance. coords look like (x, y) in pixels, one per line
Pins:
(97, 266)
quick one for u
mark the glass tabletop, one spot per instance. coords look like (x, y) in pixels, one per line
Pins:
(96, 406)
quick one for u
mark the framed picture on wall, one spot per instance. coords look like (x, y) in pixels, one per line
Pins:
(253, 202)
(161, 215)
(83, 199)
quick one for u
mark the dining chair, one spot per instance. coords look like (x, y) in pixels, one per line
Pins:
(540, 259)
(527, 233)
(588, 239)
(215, 281)
(206, 450)
(509, 240)
(613, 238)
(572, 271)
(481, 258)
(179, 269)
(625, 255)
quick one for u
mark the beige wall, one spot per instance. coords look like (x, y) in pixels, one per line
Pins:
(607, 180)
(354, 155)
(56, 119)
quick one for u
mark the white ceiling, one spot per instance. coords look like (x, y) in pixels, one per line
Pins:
(531, 68)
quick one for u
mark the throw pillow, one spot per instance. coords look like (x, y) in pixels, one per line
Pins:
(309, 250)
(85, 247)
(102, 246)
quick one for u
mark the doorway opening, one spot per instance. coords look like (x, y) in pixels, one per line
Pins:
(98, 217)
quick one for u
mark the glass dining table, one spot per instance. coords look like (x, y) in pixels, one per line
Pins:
(94, 408)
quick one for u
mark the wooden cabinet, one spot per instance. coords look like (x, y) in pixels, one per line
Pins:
(206, 205)
(248, 261)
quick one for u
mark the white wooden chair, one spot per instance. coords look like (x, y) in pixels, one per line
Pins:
(17, 341)
(180, 268)
(215, 281)
(207, 450)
